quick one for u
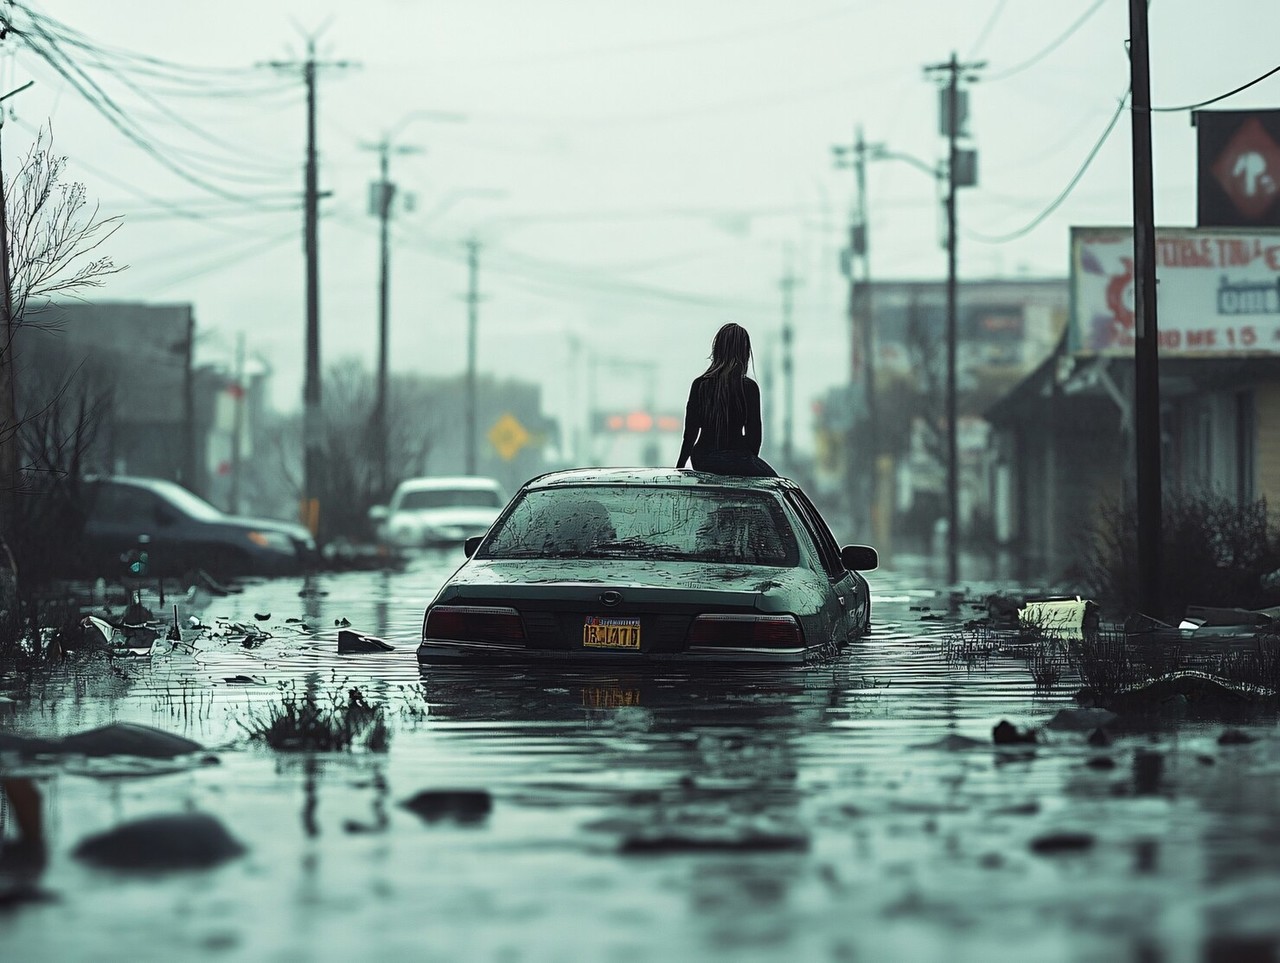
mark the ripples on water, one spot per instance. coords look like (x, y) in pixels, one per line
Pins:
(893, 851)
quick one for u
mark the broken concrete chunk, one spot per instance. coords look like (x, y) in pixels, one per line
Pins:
(351, 642)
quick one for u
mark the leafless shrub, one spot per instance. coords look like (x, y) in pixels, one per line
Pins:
(312, 722)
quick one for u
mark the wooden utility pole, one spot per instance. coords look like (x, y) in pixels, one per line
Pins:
(1149, 496)
(953, 119)
(312, 423)
(382, 197)
(237, 426)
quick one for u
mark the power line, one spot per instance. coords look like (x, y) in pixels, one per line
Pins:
(1066, 191)
(1053, 45)
(1214, 100)
(986, 29)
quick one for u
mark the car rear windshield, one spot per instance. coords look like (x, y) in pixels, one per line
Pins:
(450, 498)
(677, 524)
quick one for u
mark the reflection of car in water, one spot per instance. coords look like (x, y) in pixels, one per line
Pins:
(437, 511)
(652, 565)
(178, 531)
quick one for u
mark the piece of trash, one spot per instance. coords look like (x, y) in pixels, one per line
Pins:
(350, 642)
(292, 620)
(262, 616)
(342, 622)
(244, 680)
(194, 622)
(1066, 618)
(712, 841)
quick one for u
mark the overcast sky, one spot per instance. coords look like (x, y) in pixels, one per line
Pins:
(638, 174)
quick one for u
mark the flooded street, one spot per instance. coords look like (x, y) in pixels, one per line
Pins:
(817, 814)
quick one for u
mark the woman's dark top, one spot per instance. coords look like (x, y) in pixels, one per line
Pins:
(735, 430)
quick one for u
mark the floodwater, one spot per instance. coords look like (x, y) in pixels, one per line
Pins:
(858, 840)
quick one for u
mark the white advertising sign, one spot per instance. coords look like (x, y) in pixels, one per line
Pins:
(1218, 291)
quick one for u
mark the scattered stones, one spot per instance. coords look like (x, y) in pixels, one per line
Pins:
(462, 806)
(1005, 733)
(1052, 844)
(1235, 737)
(1081, 720)
(351, 642)
(161, 843)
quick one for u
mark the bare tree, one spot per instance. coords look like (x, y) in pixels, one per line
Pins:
(48, 247)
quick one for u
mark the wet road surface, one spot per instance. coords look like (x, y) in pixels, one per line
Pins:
(815, 814)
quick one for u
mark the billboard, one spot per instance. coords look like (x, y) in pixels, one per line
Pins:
(1218, 291)
(1238, 178)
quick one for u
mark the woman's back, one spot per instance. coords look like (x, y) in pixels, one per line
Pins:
(729, 419)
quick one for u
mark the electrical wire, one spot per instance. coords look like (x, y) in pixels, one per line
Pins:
(1214, 100)
(1053, 45)
(1066, 191)
(986, 29)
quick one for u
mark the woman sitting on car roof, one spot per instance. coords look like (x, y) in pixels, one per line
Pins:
(722, 425)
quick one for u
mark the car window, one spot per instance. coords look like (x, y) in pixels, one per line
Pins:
(828, 550)
(450, 498)
(669, 523)
(187, 503)
(124, 504)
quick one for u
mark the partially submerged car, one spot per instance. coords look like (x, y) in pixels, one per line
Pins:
(652, 565)
(438, 511)
(152, 526)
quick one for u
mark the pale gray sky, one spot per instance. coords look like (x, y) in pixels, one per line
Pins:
(658, 160)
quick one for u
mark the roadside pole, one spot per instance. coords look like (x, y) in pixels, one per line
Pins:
(1149, 496)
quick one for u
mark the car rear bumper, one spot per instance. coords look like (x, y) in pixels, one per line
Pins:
(441, 651)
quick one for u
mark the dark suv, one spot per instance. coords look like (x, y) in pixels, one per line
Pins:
(156, 527)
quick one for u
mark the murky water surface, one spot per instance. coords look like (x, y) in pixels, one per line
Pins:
(861, 841)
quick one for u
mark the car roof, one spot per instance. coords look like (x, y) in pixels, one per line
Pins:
(671, 477)
(446, 481)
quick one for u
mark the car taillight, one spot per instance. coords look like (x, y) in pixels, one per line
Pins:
(474, 623)
(754, 631)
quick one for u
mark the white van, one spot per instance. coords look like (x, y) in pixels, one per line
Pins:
(438, 511)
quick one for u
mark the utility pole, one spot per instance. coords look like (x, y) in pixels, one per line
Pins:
(1146, 348)
(189, 404)
(382, 197)
(862, 356)
(788, 284)
(237, 426)
(312, 423)
(953, 117)
(473, 303)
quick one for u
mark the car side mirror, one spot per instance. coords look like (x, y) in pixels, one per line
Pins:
(379, 513)
(471, 544)
(859, 558)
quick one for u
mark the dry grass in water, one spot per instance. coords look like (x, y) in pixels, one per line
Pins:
(313, 722)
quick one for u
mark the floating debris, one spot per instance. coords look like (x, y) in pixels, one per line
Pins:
(351, 642)
(462, 806)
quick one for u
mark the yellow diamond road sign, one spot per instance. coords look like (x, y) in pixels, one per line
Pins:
(508, 436)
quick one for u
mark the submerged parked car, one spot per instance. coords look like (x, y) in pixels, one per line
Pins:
(438, 511)
(652, 565)
(156, 527)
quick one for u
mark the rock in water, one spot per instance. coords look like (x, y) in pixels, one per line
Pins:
(1005, 733)
(129, 739)
(157, 843)
(459, 805)
(350, 642)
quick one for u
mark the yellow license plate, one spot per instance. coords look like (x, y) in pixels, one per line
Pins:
(602, 633)
(609, 697)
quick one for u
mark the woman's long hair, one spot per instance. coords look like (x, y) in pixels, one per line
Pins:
(730, 356)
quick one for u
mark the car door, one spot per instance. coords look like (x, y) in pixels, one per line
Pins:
(128, 518)
(846, 587)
